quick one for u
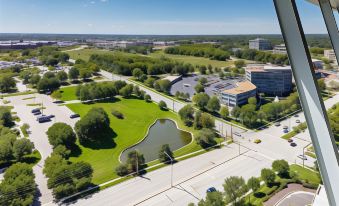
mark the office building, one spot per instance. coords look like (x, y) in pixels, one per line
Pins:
(330, 55)
(260, 44)
(271, 80)
(239, 94)
(279, 49)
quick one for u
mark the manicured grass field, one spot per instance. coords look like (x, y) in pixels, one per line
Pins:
(306, 174)
(68, 93)
(85, 54)
(138, 116)
(193, 60)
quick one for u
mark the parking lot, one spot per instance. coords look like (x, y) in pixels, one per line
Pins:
(212, 87)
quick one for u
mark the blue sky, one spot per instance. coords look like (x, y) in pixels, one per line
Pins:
(149, 16)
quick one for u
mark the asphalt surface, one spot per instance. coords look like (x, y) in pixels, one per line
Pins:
(297, 199)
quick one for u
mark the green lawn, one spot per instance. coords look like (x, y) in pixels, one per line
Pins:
(85, 54)
(306, 174)
(68, 93)
(193, 60)
(138, 116)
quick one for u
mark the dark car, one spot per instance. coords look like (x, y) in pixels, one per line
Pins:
(285, 130)
(290, 140)
(51, 116)
(211, 189)
(43, 119)
(58, 102)
(37, 113)
(74, 116)
(35, 110)
(293, 144)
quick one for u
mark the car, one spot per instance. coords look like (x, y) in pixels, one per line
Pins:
(74, 116)
(211, 189)
(296, 115)
(290, 140)
(51, 116)
(285, 130)
(297, 121)
(37, 113)
(35, 110)
(303, 157)
(277, 124)
(237, 134)
(293, 144)
(285, 127)
(58, 102)
(43, 119)
(48, 93)
(37, 118)
(257, 141)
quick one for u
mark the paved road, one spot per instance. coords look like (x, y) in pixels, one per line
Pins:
(297, 199)
(191, 182)
(38, 133)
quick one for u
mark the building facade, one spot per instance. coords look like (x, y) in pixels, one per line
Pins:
(279, 49)
(260, 44)
(239, 94)
(271, 80)
(330, 55)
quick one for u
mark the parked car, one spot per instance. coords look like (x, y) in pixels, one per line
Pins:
(35, 110)
(296, 115)
(37, 118)
(285, 130)
(48, 93)
(37, 113)
(211, 189)
(297, 121)
(43, 119)
(303, 157)
(237, 134)
(257, 141)
(51, 116)
(58, 102)
(293, 144)
(285, 127)
(74, 116)
(290, 140)
(277, 124)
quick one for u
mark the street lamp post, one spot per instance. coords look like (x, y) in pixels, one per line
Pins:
(137, 161)
(171, 167)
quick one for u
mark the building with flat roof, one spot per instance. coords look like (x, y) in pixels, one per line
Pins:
(239, 94)
(279, 49)
(271, 80)
(260, 44)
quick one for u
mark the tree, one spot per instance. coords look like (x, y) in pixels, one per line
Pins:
(62, 151)
(17, 177)
(34, 80)
(252, 101)
(22, 147)
(121, 170)
(56, 94)
(268, 176)
(199, 88)
(61, 134)
(203, 80)
(147, 98)
(165, 85)
(165, 153)
(162, 105)
(213, 104)
(186, 114)
(135, 161)
(6, 118)
(253, 183)
(205, 137)
(126, 91)
(92, 125)
(50, 84)
(62, 76)
(6, 149)
(224, 112)
(201, 100)
(137, 73)
(213, 199)
(73, 73)
(321, 85)
(282, 167)
(85, 73)
(234, 187)
(7, 83)
(239, 63)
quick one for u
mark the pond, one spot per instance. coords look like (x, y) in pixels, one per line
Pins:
(163, 131)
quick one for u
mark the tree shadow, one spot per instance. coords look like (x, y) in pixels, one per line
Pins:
(75, 150)
(259, 194)
(103, 140)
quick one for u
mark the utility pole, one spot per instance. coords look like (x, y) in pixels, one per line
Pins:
(171, 167)
(137, 161)
(173, 105)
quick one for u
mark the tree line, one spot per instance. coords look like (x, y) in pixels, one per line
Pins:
(262, 56)
(199, 50)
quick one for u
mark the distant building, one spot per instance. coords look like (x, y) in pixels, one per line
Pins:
(271, 80)
(260, 44)
(239, 94)
(330, 55)
(317, 64)
(279, 49)
(24, 44)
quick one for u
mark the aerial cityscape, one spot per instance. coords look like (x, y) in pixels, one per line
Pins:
(200, 109)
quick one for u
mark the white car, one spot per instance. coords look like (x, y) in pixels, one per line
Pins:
(303, 157)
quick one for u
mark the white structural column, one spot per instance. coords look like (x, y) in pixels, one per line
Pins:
(310, 97)
(331, 25)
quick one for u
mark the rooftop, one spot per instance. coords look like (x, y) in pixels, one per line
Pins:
(241, 87)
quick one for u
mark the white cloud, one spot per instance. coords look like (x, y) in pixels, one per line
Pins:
(92, 2)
